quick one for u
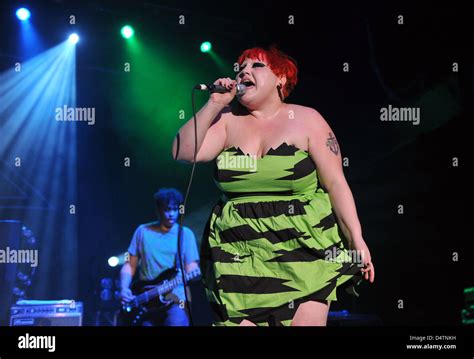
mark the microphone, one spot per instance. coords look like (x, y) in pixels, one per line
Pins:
(241, 88)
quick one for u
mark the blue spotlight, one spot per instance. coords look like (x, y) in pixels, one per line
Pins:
(74, 38)
(23, 14)
(29, 101)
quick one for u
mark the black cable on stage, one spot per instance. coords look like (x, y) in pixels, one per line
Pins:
(181, 219)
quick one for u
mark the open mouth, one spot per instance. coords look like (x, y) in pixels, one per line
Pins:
(248, 83)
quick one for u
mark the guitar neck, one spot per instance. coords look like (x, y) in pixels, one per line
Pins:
(165, 287)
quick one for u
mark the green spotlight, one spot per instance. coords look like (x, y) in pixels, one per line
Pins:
(206, 46)
(127, 32)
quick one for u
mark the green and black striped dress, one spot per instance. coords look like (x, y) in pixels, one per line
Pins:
(272, 241)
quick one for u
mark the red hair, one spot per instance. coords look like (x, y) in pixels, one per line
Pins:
(280, 63)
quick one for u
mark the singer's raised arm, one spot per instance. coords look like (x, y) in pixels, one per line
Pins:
(211, 134)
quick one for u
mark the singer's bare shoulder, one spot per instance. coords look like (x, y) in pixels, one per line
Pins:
(303, 113)
(305, 117)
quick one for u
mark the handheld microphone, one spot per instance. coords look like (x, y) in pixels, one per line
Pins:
(241, 88)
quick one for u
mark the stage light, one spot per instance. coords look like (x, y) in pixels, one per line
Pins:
(127, 32)
(23, 14)
(206, 46)
(113, 261)
(29, 100)
(74, 38)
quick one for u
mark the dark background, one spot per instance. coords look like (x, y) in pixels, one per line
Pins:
(390, 163)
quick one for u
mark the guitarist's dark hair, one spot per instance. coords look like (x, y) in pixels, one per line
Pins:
(168, 196)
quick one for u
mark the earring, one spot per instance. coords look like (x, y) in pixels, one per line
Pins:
(280, 94)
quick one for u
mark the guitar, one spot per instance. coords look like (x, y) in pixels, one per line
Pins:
(152, 294)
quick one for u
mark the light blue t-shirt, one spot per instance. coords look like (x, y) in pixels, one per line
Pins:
(156, 251)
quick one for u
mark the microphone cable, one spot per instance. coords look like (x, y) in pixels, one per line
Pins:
(181, 219)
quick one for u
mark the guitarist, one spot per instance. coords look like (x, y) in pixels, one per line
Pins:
(153, 250)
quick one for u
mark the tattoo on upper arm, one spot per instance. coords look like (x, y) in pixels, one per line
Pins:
(331, 142)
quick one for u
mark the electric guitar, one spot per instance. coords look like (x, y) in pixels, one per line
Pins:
(152, 294)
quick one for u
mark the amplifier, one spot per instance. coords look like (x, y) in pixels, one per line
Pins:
(48, 313)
